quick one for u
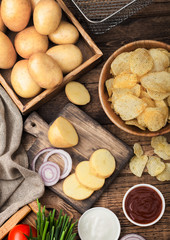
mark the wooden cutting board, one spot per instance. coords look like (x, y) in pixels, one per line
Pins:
(92, 136)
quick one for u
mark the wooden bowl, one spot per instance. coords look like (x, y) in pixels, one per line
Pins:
(105, 74)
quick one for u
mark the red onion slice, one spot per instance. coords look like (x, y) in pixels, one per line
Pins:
(38, 155)
(50, 173)
(65, 157)
(132, 237)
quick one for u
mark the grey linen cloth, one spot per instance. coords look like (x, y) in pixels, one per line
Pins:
(18, 185)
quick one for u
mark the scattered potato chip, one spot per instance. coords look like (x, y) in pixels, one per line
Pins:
(125, 80)
(155, 166)
(157, 142)
(160, 60)
(157, 95)
(157, 81)
(162, 154)
(148, 101)
(161, 147)
(109, 86)
(134, 122)
(129, 106)
(140, 62)
(138, 150)
(121, 64)
(137, 165)
(165, 175)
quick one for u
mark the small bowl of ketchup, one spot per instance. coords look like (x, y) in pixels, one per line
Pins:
(143, 205)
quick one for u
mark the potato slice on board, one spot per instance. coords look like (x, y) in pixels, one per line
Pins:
(140, 62)
(73, 189)
(160, 60)
(129, 106)
(155, 166)
(87, 178)
(137, 165)
(165, 175)
(125, 80)
(103, 163)
(121, 64)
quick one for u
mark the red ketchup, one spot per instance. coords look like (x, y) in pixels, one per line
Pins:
(143, 205)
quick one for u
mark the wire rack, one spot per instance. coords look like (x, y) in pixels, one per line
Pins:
(101, 15)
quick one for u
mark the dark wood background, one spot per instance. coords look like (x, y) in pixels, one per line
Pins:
(152, 23)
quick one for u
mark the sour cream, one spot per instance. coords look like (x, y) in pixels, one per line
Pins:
(99, 223)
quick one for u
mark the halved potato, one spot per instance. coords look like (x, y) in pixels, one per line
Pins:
(77, 93)
(103, 163)
(87, 178)
(62, 133)
(73, 189)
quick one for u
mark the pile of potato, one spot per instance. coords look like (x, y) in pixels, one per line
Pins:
(40, 67)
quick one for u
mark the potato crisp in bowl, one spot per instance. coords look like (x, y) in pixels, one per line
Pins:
(134, 88)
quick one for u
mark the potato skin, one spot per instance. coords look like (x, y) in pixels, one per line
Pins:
(47, 16)
(2, 25)
(65, 33)
(29, 41)
(22, 82)
(68, 56)
(7, 52)
(16, 14)
(44, 70)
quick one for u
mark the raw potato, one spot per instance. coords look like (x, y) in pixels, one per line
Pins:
(165, 175)
(68, 56)
(34, 3)
(121, 64)
(155, 166)
(137, 165)
(29, 41)
(16, 14)
(2, 25)
(22, 82)
(65, 33)
(7, 52)
(77, 93)
(62, 134)
(47, 16)
(103, 163)
(86, 178)
(73, 189)
(140, 62)
(45, 70)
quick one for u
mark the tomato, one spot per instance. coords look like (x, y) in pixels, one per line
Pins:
(17, 233)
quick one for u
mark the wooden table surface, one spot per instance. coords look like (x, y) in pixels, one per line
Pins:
(153, 22)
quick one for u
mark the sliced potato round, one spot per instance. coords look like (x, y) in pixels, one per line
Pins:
(77, 93)
(157, 95)
(165, 175)
(87, 178)
(155, 166)
(160, 60)
(125, 80)
(121, 64)
(138, 151)
(73, 189)
(103, 163)
(129, 106)
(140, 62)
(135, 123)
(137, 165)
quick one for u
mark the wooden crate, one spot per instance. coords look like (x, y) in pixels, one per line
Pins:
(91, 56)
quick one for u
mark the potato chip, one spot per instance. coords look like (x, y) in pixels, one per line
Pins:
(144, 93)
(121, 64)
(157, 81)
(163, 108)
(148, 101)
(155, 166)
(152, 118)
(168, 101)
(160, 60)
(157, 142)
(162, 154)
(157, 95)
(138, 150)
(129, 106)
(140, 62)
(135, 123)
(161, 147)
(109, 86)
(137, 165)
(136, 90)
(167, 69)
(165, 175)
(125, 80)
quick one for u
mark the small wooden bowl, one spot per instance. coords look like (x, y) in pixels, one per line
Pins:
(105, 74)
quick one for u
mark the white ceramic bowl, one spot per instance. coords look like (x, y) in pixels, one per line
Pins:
(161, 213)
(89, 224)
